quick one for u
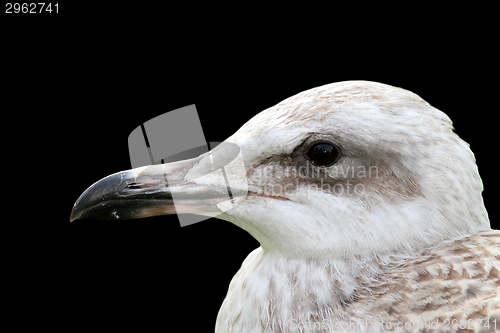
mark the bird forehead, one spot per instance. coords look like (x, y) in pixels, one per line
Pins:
(332, 103)
(352, 110)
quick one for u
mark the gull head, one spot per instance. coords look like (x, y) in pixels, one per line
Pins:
(348, 169)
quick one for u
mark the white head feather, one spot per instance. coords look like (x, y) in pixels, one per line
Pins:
(404, 181)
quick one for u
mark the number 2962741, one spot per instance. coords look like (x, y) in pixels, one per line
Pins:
(31, 8)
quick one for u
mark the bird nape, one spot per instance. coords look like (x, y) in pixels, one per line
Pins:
(367, 207)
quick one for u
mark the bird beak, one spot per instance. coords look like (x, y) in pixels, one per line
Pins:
(207, 185)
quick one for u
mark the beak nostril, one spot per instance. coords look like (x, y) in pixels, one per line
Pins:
(139, 186)
(135, 186)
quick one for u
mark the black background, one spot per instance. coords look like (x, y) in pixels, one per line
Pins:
(77, 84)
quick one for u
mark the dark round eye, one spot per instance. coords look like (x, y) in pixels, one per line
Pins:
(323, 154)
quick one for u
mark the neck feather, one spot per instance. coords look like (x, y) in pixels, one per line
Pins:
(277, 291)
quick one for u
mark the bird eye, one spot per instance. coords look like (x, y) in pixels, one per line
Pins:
(323, 154)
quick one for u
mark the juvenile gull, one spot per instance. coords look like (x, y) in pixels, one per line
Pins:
(367, 207)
